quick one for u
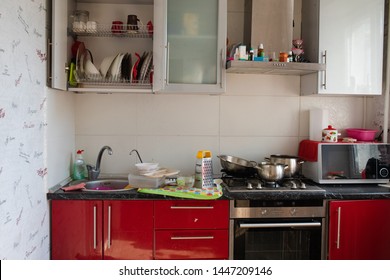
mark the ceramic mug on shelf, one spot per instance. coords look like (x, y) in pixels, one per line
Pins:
(132, 23)
(117, 26)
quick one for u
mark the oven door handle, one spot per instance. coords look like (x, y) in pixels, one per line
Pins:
(280, 225)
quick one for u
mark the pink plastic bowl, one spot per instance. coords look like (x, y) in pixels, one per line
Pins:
(361, 134)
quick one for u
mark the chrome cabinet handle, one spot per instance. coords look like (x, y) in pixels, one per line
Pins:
(167, 65)
(109, 227)
(94, 227)
(324, 57)
(222, 67)
(338, 227)
(280, 225)
(192, 207)
(191, 237)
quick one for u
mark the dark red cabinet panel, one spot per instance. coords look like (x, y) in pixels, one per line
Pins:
(102, 229)
(76, 230)
(192, 244)
(359, 230)
(191, 229)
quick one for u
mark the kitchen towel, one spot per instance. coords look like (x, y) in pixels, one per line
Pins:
(308, 150)
(74, 187)
(209, 193)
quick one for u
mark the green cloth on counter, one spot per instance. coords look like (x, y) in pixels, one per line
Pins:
(187, 192)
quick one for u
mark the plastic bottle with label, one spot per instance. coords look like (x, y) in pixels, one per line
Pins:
(260, 50)
(79, 168)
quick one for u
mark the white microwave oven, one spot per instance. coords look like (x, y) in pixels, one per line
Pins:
(349, 163)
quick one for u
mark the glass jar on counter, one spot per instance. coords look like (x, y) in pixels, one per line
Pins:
(80, 20)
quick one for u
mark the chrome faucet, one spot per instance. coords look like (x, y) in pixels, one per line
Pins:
(94, 171)
(139, 157)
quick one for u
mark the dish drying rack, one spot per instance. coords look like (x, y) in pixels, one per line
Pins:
(121, 30)
(118, 80)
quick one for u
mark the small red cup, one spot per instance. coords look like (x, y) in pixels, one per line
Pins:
(117, 26)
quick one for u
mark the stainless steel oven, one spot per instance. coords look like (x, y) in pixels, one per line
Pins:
(277, 230)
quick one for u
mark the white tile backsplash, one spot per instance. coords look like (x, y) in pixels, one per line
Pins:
(106, 114)
(264, 85)
(344, 112)
(178, 115)
(259, 115)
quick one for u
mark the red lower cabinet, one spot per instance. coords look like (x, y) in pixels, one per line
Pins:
(191, 229)
(139, 229)
(110, 229)
(359, 230)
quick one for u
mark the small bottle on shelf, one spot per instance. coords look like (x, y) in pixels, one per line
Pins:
(260, 50)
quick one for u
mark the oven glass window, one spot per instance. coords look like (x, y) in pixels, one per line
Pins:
(289, 243)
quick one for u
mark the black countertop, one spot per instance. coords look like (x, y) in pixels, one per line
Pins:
(331, 192)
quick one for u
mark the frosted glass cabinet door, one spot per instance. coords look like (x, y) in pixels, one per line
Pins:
(348, 36)
(193, 48)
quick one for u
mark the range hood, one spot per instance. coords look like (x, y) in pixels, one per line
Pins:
(273, 68)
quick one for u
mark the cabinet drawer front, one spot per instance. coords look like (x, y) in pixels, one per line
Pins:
(192, 244)
(192, 214)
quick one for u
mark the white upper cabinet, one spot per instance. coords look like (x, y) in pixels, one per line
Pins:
(190, 46)
(346, 35)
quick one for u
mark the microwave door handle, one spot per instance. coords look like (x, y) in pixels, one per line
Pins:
(280, 225)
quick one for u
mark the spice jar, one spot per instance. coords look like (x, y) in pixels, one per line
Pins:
(283, 57)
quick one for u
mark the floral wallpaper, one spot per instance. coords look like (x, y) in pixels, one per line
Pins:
(24, 214)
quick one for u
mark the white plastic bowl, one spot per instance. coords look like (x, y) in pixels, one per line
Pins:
(146, 167)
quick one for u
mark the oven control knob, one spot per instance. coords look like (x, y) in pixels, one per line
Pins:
(259, 186)
(293, 185)
(249, 186)
(302, 186)
(263, 212)
(384, 173)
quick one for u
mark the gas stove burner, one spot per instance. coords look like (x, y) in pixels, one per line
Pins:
(254, 184)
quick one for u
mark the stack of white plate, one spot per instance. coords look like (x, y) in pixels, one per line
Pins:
(146, 168)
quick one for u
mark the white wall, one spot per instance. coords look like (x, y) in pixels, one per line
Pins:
(24, 212)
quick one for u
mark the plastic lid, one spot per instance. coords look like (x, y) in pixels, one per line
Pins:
(79, 152)
(330, 128)
(203, 154)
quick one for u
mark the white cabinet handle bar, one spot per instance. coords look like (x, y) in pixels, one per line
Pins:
(191, 237)
(280, 225)
(94, 227)
(192, 207)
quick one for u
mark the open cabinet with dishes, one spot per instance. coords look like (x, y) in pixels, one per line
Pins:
(102, 46)
(137, 46)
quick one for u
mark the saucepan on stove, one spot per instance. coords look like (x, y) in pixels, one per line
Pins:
(271, 172)
(294, 164)
(236, 166)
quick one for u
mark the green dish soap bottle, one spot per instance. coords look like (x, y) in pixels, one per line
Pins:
(79, 168)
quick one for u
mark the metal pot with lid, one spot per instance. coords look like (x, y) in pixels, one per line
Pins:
(293, 164)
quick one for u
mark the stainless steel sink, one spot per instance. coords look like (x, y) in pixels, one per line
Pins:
(107, 185)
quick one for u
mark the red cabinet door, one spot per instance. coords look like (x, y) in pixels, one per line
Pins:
(128, 230)
(76, 230)
(192, 244)
(359, 230)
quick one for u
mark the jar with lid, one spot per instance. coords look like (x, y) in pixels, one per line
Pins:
(80, 20)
